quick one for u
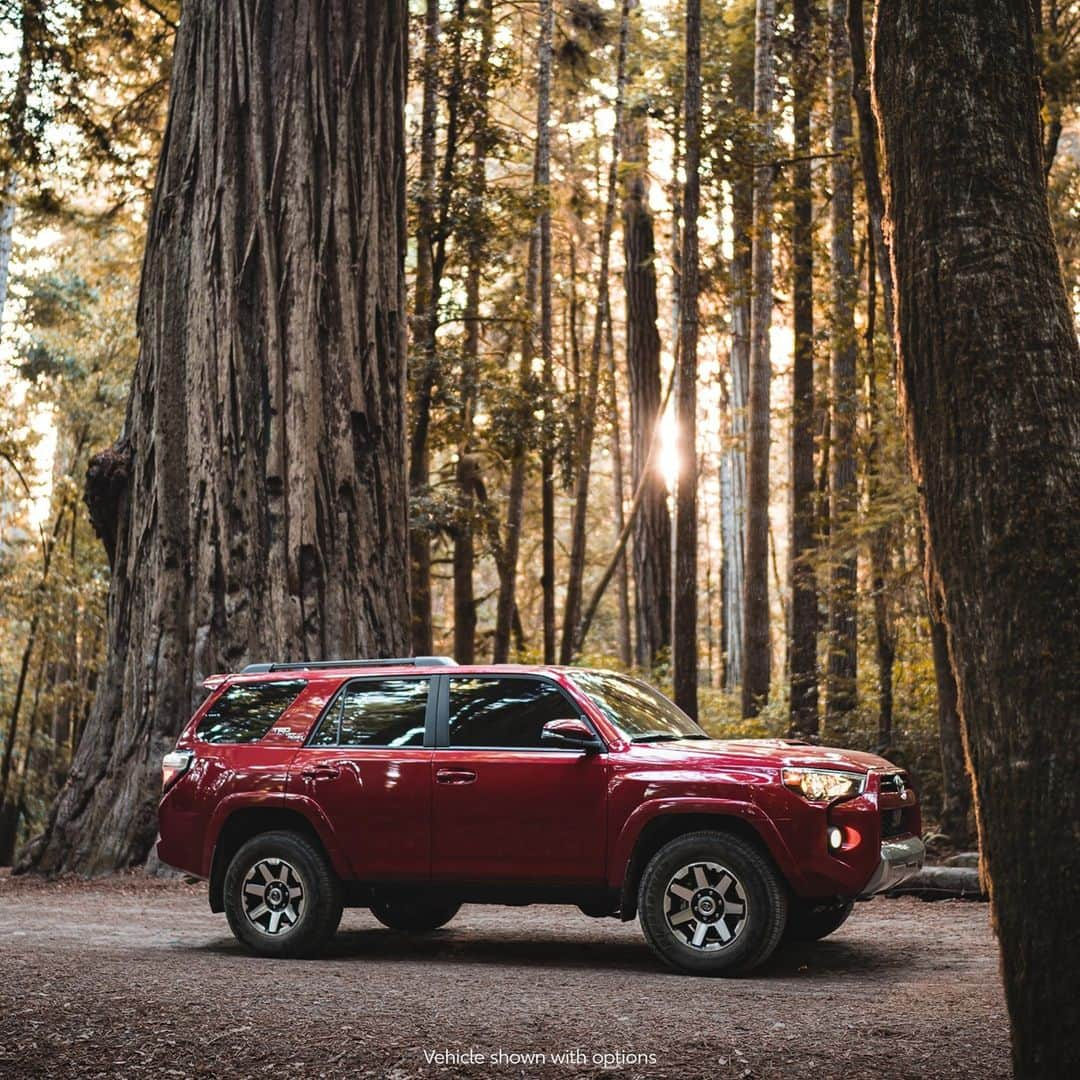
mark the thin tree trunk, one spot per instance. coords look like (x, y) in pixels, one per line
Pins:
(506, 608)
(547, 448)
(684, 637)
(622, 575)
(757, 657)
(425, 324)
(802, 657)
(265, 511)
(652, 530)
(840, 696)
(467, 470)
(631, 516)
(868, 158)
(587, 412)
(882, 539)
(733, 463)
(991, 375)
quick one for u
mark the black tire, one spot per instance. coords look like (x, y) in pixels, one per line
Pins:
(741, 884)
(291, 861)
(413, 913)
(809, 921)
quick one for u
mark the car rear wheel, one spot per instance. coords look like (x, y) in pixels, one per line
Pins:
(282, 897)
(808, 921)
(712, 904)
(413, 913)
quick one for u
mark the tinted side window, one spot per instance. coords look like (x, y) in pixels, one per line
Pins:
(377, 712)
(245, 712)
(508, 713)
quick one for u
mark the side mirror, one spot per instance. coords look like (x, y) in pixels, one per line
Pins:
(569, 734)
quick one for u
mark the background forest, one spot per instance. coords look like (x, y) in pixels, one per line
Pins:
(722, 502)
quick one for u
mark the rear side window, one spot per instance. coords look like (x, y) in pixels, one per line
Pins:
(504, 713)
(245, 712)
(377, 712)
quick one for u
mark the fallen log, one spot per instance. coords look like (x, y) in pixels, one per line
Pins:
(962, 858)
(942, 883)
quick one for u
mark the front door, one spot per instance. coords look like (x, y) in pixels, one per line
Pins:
(508, 809)
(368, 769)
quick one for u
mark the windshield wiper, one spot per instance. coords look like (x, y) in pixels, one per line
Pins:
(663, 736)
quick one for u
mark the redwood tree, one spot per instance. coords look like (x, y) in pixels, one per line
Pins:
(991, 377)
(259, 491)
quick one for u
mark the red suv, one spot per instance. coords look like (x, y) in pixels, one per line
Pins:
(413, 786)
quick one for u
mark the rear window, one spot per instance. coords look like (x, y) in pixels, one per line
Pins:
(245, 712)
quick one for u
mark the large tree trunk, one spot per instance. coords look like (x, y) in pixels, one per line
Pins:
(802, 656)
(757, 647)
(265, 515)
(684, 655)
(991, 377)
(590, 397)
(652, 527)
(843, 493)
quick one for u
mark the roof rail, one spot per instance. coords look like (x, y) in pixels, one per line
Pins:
(317, 665)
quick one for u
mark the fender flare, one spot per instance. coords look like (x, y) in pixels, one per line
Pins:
(747, 812)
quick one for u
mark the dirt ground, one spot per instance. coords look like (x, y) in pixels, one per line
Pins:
(135, 977)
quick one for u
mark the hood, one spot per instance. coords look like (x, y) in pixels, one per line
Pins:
(778, 753)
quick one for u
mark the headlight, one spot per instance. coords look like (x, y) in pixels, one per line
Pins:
(823, 785)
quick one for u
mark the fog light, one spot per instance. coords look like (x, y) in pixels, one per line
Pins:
(835, 837)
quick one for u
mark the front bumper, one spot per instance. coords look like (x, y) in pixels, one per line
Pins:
(900, 859)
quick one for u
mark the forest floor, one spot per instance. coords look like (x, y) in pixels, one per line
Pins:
(135, 977)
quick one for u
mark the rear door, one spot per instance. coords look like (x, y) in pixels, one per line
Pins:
(368, 768)
(506, 807)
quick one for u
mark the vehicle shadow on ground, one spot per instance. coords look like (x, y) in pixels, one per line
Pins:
(377, 945)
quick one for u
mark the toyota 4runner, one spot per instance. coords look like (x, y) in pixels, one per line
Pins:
(413, 786)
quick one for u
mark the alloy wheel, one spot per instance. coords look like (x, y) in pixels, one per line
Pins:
(705, 906)
(274, 896)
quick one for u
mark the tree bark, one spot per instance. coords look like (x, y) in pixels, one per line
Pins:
(590, 396)
(991, 376)
(266, 511)
(652, 528)
(757, 648)
(840, 695)
(802, 655)
(684, 643)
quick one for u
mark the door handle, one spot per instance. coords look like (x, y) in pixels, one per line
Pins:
(455, 776)
(321, 772)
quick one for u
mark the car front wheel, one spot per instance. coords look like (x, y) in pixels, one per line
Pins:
(712, 904)
(282, 897)
(415, 914)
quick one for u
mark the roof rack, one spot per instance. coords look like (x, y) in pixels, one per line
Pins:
(316, 665)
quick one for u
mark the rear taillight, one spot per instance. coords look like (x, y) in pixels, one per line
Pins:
(173, 765)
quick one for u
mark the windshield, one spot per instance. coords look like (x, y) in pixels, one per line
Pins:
(637, 710)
